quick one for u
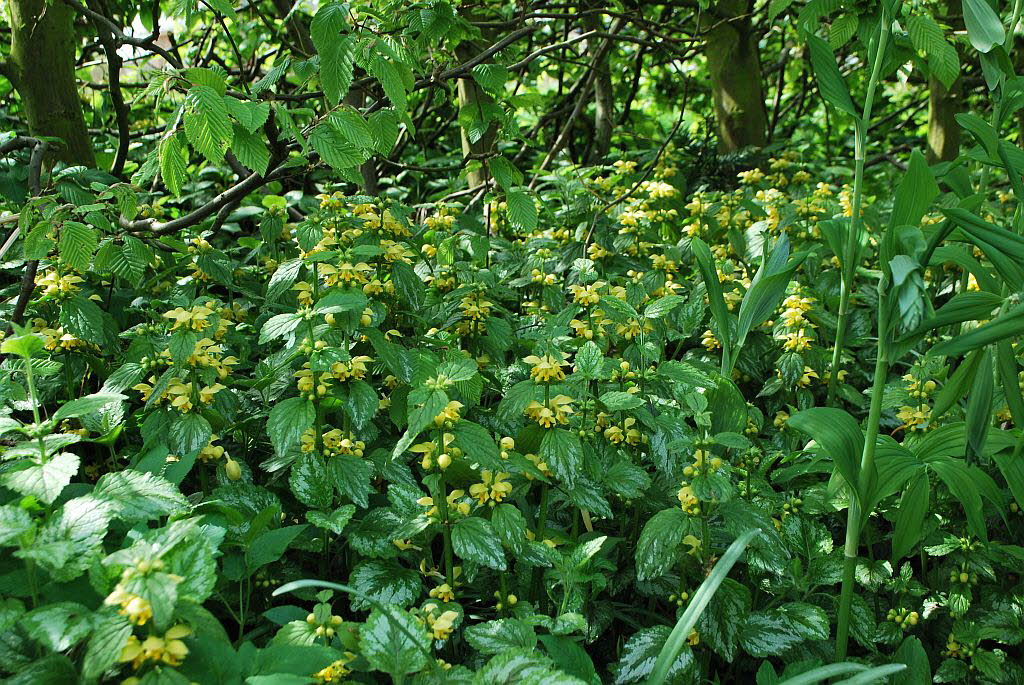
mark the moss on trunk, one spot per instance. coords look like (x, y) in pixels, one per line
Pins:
(42, 68)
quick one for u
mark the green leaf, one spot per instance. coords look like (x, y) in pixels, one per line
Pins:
(928, 38)
(662, 306)
(137, 496)
(173, 163)
(910, 516)
(978, 418)
(353, 127)
(618, 400)
(288, 421)
(915, 193)
(270, 545)
(842, 30)
(477, 445)
(494, 637)
(770, 632)
(87, 405)
(105, 645)
(505, 173)
(386, 582)
(250, 150)
(668, 657)
(394, 642)
(830, 81)
(391, 80)
(77, 244)
(474, 539)
(351, 477)
(83, 319)
(334, 149)
(955, 475)
(984, 28)
(1012, 469)
(720, 625)
(706, 266)
(58, 626)
(188, 433)
(334, 522)
(522, 212)
(309, 482)
(657, 549)
(43, 481)
(383, 130)
(562, 451)
(839, 436)
(250, 115)
(1005, 326)
(207, 125)
(14, 521)
(644, 650)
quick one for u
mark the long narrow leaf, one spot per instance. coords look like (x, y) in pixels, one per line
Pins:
(706, 265)
(698, 603)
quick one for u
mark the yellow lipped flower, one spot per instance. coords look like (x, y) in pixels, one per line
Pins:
(494, 488)
(547, 368)
(442, 626)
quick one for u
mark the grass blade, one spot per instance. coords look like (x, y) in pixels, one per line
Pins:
(700, 600)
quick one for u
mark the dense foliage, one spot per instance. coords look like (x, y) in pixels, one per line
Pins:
(511, 343)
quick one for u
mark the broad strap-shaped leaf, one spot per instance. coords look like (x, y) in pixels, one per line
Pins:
(839, 436)
(830, 81)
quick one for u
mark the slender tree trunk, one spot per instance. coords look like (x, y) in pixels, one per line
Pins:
(734, 64)
(473, 100)
(604, 102)
(943, 131)
(42, 69)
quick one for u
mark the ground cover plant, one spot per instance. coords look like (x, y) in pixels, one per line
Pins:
(511, 342)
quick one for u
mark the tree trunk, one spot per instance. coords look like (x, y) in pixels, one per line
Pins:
(735, 67)
(943, 131)
(604, 103)
(42, 69)
(473, 99)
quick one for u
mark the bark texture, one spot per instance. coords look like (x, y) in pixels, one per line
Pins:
(42, 69)
(734, 64)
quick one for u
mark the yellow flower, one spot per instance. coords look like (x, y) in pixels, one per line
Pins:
(137, 609)
(443, 592)
(169, 649)
(449, 413)
(547, 368)
(494, 488)
(304, 293)
(688, 500)
(180, 394)
(914, 417)
(442, 626)
(556, 411)
(709, 341)
(337, 670)
(195, 318)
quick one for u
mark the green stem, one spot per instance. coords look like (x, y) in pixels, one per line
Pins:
(441, 500)
(849, 269)
(855, 518)
(34, 398)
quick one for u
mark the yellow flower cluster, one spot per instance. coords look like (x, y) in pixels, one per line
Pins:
(336, 671)
(555, 411)
(493, 488)
(53, 284)
(137, 609)
(168, 649)
(196, 318)
(793, 326)
(547, 368)
(440, 626)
